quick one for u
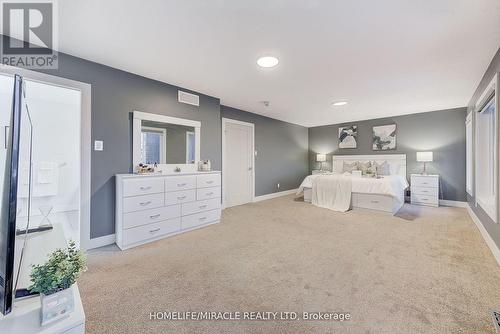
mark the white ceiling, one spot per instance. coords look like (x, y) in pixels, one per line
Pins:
(387, 57)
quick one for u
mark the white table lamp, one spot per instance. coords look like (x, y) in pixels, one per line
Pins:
(321, 158)
(424, 157)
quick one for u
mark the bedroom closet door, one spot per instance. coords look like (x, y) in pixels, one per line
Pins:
(237, 162)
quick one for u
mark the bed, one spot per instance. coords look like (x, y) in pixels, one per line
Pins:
(386, 193)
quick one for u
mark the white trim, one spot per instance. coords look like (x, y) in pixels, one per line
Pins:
(455, 204)
(492, 210)
(102, 241)
(165, 119)
(224, 122)
(275, 195)
(487, 238)
(138, 116)
(85, 138)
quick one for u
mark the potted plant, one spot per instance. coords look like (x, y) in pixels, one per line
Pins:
(53, 280)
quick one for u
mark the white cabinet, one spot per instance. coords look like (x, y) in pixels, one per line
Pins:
(151, 207)
(425, 189)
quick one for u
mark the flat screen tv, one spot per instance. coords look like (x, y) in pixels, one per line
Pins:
(9, 201)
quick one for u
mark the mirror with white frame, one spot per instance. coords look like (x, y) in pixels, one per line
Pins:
(165, 140)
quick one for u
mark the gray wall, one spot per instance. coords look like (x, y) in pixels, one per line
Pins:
(490, 226)
(282, 155)
(115, 95)
(442, 132)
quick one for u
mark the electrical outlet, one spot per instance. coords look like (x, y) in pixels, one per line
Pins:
(278, 185)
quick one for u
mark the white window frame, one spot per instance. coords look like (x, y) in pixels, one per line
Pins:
(189, 133)
(163, 148)
(489, 205)
(469, 138)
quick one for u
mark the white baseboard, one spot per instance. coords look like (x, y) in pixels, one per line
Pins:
(456, 204)
(274, 195)
(102, 241)
(487, 238)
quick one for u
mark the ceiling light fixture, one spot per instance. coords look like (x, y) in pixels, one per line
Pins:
(267, 62)
(339, 103)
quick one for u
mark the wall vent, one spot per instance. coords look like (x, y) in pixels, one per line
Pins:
(496, 320)
(188, 98)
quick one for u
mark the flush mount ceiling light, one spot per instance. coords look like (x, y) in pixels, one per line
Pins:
(339, 103)
(267, 61)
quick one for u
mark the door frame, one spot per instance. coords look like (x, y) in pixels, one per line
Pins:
(225, 121)
(85, 141)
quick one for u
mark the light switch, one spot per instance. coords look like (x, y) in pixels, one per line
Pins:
(98, 145)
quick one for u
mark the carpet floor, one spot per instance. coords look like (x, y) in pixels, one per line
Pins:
(426, 270)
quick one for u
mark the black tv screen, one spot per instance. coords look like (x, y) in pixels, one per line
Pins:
(9, 201)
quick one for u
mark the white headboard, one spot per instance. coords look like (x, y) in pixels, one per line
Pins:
(397, 162)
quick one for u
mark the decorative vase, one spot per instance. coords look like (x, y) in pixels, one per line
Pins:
(57, 305)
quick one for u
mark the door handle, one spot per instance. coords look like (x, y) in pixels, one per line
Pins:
(250, 168)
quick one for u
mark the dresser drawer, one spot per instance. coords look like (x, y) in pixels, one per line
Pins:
(371, 201)
(424, 181)
(209, 180)
(143, 186)
(200, 219)
(145, 232)
(139, 218)
(207, 193)
(178, 197)
(176, 183)
(424, 199)
(425, 191)
(200, 206)
(136, 203)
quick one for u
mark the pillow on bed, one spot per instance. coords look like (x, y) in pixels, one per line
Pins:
(382, 168)
(364, 166)
(349, 167)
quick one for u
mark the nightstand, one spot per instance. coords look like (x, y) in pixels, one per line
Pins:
(425, 189)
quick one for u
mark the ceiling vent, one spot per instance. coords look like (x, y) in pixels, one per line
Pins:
(188, 98)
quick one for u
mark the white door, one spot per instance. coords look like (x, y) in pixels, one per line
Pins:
(238, 162)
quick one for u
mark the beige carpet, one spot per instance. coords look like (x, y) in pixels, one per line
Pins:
(427, 270)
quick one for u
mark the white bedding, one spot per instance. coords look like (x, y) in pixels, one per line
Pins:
(332, 192)
(391, 185)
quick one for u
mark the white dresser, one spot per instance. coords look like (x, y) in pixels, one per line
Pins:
(151, 207)
(425, 189)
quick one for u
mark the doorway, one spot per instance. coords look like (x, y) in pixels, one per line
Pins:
(238, 162)
(60, 110)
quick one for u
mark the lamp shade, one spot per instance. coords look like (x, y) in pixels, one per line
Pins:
(424, 156)
(321, 157)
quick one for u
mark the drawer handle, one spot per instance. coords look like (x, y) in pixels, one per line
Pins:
(210, 193)
(155, 230)
(202, 218)
(202, 206)
(425, 191)
(155, 216)
(373, 201)
(210, 182)
(181, 197)
(181, 184)
(145, 188)
(145, 203)
(424, 199)
(424, 182)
